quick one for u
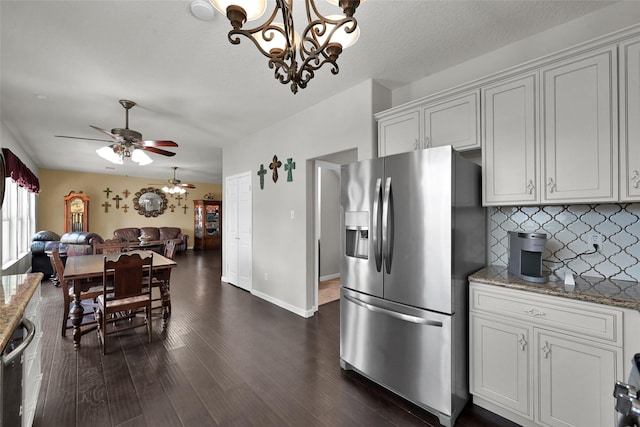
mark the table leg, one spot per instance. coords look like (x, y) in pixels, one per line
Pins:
(76, 314)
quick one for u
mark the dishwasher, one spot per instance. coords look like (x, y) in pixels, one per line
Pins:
(11, 361)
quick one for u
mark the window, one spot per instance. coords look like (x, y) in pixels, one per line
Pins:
(18, 222)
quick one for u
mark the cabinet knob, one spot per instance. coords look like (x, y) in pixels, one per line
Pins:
(530, 187)
(427, 142)
(416, 144)
(546, 350)
(635, 179)
(551, 185)
(522, 341)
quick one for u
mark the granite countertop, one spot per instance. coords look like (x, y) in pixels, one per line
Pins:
(617, 293)
(15, 293)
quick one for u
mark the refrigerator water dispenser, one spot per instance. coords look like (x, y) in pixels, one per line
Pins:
(357, 234)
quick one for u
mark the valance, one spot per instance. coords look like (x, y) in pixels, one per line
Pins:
(19, 172)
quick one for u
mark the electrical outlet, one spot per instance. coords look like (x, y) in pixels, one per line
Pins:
(595, 239)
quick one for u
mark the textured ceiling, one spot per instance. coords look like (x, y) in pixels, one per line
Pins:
(192, 86)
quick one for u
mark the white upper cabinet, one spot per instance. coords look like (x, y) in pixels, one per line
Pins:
(454, 122)
(399, 133)
(510, 138)
(580, 140)
(630, 121)
(451, 121)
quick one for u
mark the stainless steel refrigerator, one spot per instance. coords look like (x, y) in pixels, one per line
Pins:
(413, 230)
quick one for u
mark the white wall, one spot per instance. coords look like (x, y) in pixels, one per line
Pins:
(282, 246)
(602, 22)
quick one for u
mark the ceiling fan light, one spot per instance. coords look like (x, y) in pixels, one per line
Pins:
(340, 36)
(253, 8)
(107, 153)
(140, 157)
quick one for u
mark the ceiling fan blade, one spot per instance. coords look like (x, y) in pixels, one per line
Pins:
(106, 132)
(79, 137)
(158, 151)
(187, 185)
(161, 143)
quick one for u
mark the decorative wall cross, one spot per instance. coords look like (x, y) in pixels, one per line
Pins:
(126, 194)
(178, 198)
(108, 191)
(275, 164)
(289, 167)
(117, 199)
(261, 173)
(125, 208)
(172, 207)
(106, 205)
(184, 208)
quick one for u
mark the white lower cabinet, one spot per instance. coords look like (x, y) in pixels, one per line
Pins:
(32, 367)
(543, 360)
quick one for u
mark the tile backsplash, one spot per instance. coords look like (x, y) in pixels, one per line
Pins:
(568, 228)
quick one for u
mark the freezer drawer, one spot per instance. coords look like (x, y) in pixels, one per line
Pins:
(404, 349)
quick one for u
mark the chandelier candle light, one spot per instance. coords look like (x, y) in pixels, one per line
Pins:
(293, 57)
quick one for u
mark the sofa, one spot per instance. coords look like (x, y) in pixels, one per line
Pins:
(78, 243)
(131, 234)
(41, 242)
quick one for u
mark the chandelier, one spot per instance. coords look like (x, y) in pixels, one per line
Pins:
(116, 153)
(294, 58)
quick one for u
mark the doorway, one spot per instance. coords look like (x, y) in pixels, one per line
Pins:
(327, 220)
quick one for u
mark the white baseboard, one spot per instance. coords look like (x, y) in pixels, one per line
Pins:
(282, 304)
(329, 277)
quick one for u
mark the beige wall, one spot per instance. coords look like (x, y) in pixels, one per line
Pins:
(56, 184)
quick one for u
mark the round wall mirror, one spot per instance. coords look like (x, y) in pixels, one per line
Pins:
(150, 202)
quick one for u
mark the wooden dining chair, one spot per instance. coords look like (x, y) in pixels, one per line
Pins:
(87, 299)
(161, 281)
(110, 246)
(128, 304)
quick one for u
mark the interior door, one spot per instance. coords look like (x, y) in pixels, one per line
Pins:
(237, 234)
(244, 232)
(231, 235)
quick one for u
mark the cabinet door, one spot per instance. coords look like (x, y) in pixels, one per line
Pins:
(629, 123)
(580, 130)
(399, 134)
(454, 122)
(576, 377)
(509, 118)
(501, 363)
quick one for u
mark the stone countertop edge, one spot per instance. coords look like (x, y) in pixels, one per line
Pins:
(616, 293)
(11, 312)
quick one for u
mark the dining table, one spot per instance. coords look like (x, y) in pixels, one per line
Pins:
(81, 269)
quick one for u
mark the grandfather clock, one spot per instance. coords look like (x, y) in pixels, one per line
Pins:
(76, 212)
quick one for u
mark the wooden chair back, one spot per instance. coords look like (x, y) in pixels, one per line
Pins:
(110, 246)
(129, 275)
(170, 249)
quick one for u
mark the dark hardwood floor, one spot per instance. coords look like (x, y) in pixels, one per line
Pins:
(225, 358)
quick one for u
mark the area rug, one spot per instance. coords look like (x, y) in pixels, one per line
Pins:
(328, 291)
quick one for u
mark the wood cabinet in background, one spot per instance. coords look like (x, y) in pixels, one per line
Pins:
(207, 232)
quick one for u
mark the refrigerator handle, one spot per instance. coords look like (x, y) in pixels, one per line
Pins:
(377, 241)
(397, 315)
(387, 226)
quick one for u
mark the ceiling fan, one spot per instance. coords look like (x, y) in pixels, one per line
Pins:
(175, 186)
(127, 142)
